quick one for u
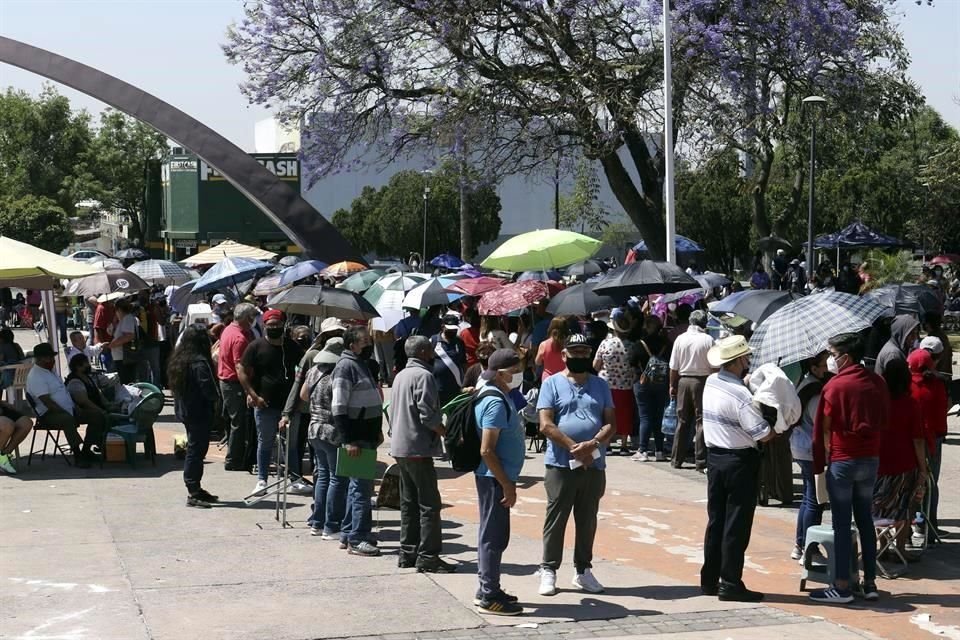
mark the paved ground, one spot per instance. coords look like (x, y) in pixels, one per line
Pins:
(115, 554)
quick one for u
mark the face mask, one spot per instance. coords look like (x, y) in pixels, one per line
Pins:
(274, 333)
(578, 365)
(450, 335)
(833, 366)
(367, 352)
(516, 380)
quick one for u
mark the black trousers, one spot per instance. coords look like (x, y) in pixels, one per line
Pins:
(198, 442)
(420, 531)
(733, 479)
(239, 438)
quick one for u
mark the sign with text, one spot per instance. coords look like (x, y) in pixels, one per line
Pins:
(284, 166)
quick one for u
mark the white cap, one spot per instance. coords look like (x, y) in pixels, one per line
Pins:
(219, 299)
(932, 344)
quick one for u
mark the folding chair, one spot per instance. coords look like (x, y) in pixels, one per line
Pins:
(49, 429)
(887, 532)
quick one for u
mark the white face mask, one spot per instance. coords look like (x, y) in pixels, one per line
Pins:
(516, 380)
(832, 365)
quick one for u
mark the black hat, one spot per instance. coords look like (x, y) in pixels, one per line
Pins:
(44, 350)
(577, 340)
(502, 359)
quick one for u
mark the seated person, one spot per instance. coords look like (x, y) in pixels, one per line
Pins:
(14, 427)
(10, 351)
(78, 344)
(92, 407)
(55, 407)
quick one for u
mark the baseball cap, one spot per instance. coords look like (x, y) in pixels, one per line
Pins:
(219, 299)
(499, 360)
(932, 344)
(451, 322)
(577, 340)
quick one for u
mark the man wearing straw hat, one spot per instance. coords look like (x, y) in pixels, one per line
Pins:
(732, 428)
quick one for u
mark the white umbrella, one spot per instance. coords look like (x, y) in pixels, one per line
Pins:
(389, 291)
(430, 293)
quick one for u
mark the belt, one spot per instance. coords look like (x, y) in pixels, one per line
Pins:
(683, 375)
(735, 452)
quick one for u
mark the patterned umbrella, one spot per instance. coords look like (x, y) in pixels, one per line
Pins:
(389, 291)
(343, 269)
(513, 296)
(360, 282)
(754, 304)
(288, 261)
(112, 281)
(801, 329)
(477, 286)
(132, 254)
(161, 272)
(302, 270)
(269, 285)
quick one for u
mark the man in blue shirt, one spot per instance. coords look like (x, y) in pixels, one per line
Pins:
(578, 420)
(502, 449)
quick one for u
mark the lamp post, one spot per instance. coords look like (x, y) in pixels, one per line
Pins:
(671, 218)
(423, 256)
(811, 104)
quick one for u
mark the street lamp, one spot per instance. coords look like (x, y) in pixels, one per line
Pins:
(811, 104)
(423, 256)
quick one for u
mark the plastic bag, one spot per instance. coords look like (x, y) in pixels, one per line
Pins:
(669, 424)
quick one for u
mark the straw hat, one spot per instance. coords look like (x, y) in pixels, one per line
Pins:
(728, 350)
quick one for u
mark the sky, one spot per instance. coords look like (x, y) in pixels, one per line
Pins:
(171, 48)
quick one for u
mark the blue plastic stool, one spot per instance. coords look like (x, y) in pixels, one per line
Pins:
(822, 535)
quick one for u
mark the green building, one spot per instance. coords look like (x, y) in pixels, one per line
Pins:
(191, 207)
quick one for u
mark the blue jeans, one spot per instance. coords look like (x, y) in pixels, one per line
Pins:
(329, 495)
(651, 403)
(810, 512)
(850, 484)
(358, 518)
(268, 423)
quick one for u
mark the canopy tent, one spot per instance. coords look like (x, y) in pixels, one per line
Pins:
(228, 249)
(857, 236)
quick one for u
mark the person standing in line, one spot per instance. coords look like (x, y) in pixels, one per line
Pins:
(502, 451)
(904, 334)
(126, 347)
(417, 427)
(652, 389)
(266, 372)
(451, 361)
(357, 410)
(689, 368)
(732, 429)
(853, 412)
(195, 390)
(612, 364)
(578, 419)
(931, 396)
(233, 342)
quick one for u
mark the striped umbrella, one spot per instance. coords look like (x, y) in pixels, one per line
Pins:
(388, 292)
(360, 282)
(161, 272)
(800, 330)
(513, 296)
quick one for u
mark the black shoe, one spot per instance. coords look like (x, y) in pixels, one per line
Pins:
(406, 562)
(709, 589)
(194, 501)
(435, 565)
(503, 596)
(737, 593)
(499, 608)
(236, 467)
(206, 496)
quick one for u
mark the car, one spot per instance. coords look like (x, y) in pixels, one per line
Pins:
(87, 254)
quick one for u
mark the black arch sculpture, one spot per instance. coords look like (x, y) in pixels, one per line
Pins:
(282, 204)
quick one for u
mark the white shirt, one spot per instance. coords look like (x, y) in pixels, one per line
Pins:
(41, 382)
(689, 355)
(127, 326)
(730, 420)
(92, 353)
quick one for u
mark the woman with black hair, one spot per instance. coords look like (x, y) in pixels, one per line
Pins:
(195, 395)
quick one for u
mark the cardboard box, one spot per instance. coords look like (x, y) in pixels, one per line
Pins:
(116, 449)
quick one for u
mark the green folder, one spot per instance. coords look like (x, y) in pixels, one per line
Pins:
(364, 466)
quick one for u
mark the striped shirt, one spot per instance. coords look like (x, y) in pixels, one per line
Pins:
(730, 421)
(356, 405)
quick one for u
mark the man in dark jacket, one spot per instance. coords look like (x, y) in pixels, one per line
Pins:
(358, 415)
(414, 440)
(450, 362)
(904, 332)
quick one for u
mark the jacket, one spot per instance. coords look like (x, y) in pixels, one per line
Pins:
(198, 399)
(357, 406)
(895, 348)
(415, 412)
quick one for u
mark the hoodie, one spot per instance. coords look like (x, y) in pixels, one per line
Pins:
(896, 349)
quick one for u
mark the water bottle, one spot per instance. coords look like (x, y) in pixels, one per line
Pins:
(669, 424)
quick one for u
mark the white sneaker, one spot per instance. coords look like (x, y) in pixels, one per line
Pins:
(7, 465)
(586, 582)
(797, 554)
(640, 456)
(548, 582)
(261, 488)
(301, 488)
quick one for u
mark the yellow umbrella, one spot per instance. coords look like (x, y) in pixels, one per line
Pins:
(228, 249)
(542, 250)
(23, 265)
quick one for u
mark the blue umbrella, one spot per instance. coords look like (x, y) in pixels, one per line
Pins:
(447, 261)
(230, 272)
(301, 270)
(684, 245)
(856, 236)
(542, 276)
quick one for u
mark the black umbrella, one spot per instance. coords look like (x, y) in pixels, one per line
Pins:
(110, 281)
(771, 243)
(584, 269)
(754, 304)
(579, 300)
(915, 299)
(132, 254)
(710, 280)
(644, 278)
(311, 300)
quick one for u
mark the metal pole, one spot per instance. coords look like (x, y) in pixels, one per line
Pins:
(668, 137)
(556, 195)
(423, 256)
(813, 160)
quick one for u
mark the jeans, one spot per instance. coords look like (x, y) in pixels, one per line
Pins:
(651, 403)
(329, 491)
(62, 327)
(936, 458)
(850, 485)
(198, 442)
(493, 535)
(810, 512)
(267, 420)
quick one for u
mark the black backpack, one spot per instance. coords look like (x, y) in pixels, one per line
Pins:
(462, 439)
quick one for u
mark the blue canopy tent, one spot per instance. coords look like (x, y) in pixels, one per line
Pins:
(856, 236)
(687, 250)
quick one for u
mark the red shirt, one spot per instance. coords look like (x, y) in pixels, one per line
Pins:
(102, 321)
(897, 454)
(931, 394)
(858, 404)
(552, 358)
(471, 338)
(233, 342)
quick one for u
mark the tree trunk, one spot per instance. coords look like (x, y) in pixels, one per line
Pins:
(644, 210)
(466, 241)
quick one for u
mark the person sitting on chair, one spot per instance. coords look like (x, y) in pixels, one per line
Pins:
(92, 408)
(14, 428)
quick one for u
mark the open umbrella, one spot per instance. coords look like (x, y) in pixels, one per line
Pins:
(161, 272)
(513, 296)
(542, 250)
(389, 291)
(230, 272)
(184, 296)
(772, 243)
(683, 244)
(288, 261)
(579, 300)
(132, 254)
(710, 280)
(800, 330)
(301, 270)
(916, 299)
(430, 293)
(643, 278)
(585, 269)
(543, 276)
(755, 304)
(343, 269)
(228, 249)
(447, 261)
(477, 286)
(112, 281)
(269, 285)
(947, 258)
(326, 302)
(360, 282)
(105, 264)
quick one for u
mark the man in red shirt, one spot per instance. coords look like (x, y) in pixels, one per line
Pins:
(854, 409)
(103, 323)
(233, 342)
(931, 394)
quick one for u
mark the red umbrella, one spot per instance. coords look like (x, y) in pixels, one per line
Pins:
(510, 297)
(476, 286)
(947, 258)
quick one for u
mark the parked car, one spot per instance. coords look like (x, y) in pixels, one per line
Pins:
(87, 254)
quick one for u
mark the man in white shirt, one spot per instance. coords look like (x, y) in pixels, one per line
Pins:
(689, 368)
(53, 403)
(78, 344)
(732, 428)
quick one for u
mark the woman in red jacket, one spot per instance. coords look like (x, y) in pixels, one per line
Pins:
(931, 394)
